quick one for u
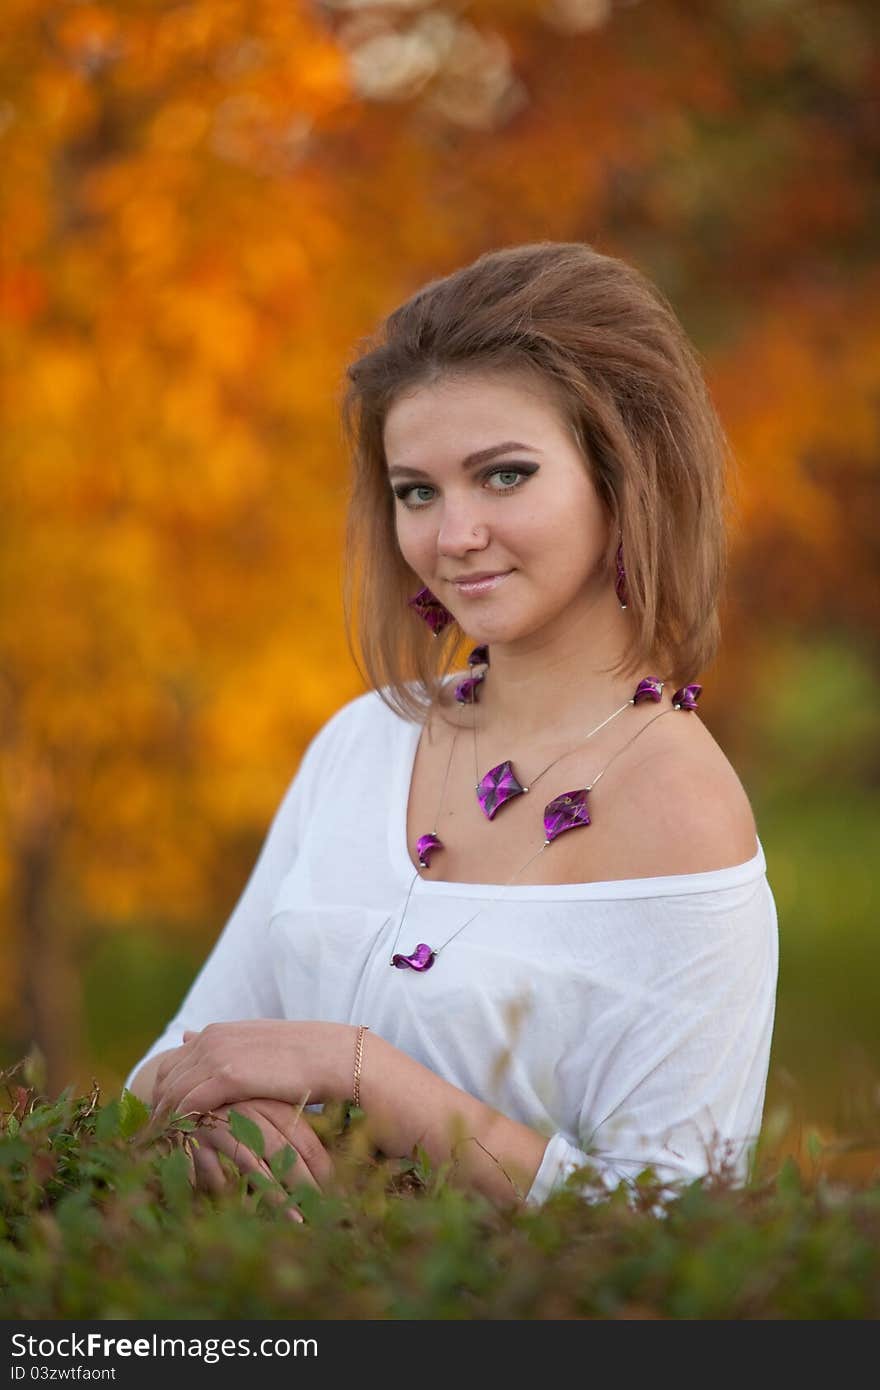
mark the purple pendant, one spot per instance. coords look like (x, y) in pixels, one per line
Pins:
(649, 689)
(497, 787)
(422, 958)
(565, 812)
(479, 656)
(687, 696)
(435, 613)
(467, 690)
(425, 848)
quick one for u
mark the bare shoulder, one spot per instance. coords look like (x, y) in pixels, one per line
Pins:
(692, 806)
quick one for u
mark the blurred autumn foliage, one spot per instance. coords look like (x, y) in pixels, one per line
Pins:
(204, 206)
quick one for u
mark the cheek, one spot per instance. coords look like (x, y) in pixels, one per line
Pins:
(538, 533)
(410, 540)
(561, 547)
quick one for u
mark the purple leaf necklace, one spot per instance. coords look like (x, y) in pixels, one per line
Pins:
(568, 811)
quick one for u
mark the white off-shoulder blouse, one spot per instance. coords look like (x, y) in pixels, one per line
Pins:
(629, 1021)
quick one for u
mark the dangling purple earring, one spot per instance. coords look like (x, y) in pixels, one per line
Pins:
(435, 614)
(620, 581)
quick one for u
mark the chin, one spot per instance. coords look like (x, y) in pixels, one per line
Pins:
(499, 634)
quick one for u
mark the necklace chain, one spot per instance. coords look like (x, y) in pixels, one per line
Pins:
(436, 950)
(624, 706)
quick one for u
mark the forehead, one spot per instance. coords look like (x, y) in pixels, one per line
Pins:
(472, 406)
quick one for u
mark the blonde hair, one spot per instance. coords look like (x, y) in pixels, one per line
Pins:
(608, 347)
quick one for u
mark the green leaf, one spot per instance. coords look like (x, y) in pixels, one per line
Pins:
(423, 1168)
(247, 1132)
(133, 1114)
(75, 1215)
(171, 1119)
(146, 1220)
(107, 1120)
(230, 1169)
(174, 1177)
(12, 1151)
(261, 1183)
(12, 1126)
(47, 1116)
(282, 1161)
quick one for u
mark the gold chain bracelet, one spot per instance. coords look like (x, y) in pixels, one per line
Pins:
(358, 1059)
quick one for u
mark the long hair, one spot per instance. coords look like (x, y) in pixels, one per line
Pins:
(610, 351)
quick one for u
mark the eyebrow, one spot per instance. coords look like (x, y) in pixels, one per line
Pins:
(472, 460)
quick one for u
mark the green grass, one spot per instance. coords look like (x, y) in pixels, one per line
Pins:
(821, 863)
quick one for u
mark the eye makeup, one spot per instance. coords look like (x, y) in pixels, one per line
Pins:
(521, 470)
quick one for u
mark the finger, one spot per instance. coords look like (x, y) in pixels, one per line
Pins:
(277, 1123)
(277, 1196)
(251, 1165)
(218, 1138)
(163, 1070)
(290, 1128)
(221, 1139)
(314, 1154)
(177, 1075)
(188, 1091)
(209, 1175)
(207, 1171)
(275, 1141)
(297, 1175)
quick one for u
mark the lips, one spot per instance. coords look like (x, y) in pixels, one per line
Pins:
(474, 587)
(477, 577)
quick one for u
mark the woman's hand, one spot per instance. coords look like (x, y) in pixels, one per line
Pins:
(281, 1124)
(271, 1058)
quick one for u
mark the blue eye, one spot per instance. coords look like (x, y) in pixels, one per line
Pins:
(520, 473)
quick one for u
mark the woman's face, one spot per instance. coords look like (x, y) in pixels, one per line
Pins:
(529, 512)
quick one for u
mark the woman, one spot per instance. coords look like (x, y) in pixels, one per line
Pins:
(453, 920)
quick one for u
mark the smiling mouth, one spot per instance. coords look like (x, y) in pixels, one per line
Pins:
(475, 587)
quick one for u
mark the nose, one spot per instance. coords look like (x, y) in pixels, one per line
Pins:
(461, 530)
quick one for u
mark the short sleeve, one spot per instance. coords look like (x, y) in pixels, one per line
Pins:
(238, 980)
(683, 1082)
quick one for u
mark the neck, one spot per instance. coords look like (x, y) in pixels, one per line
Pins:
(547, 685)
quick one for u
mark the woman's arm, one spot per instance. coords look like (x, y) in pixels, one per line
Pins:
(407, 1104)
(238, 979)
